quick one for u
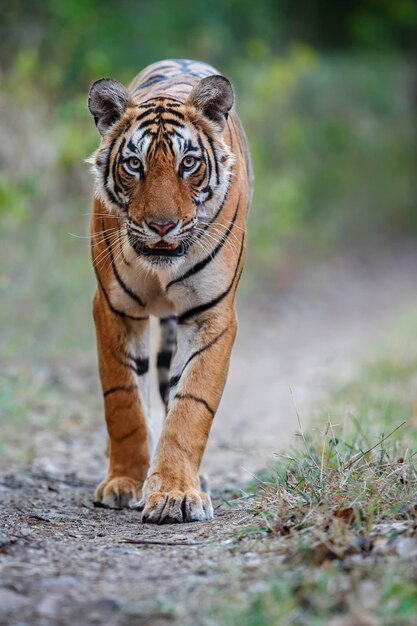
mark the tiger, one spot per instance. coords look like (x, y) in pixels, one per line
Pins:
(172, 187)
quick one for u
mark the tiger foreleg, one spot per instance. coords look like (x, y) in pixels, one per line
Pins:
(123, 362)
(172, 491)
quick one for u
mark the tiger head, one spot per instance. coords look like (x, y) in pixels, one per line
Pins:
(162, 165)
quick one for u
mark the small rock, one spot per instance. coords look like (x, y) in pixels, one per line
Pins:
(368, 595)
(60, 584)
(354, 619)
(406, 547)
(108, 604)
(25, 531)
(49, 606)
(10, 601)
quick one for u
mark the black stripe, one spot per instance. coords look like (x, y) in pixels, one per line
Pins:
(161, 120)
(189, 396)
(121, 249)
(157, 110)
(161, 109)
(207, 161)
(199, 182)
(113, 308)
(169, 144)
(184, 317)
(175, 112)
(201, 264)
(156, 78)
(182, 83)
(213, 219)
(131, 366)
(172, 122)
(111, 195)
(163, 389)
(174, 380)
(107, 170)
(164, 359)
(116, 159)
(208, 190)
(206, 347)
(151, 102)
(216, 165)
(141, 365)
(148, 104)
(165, 320)
(144, 114)
(126, 389)
(147, 123)
(119, 279)
(129, 434)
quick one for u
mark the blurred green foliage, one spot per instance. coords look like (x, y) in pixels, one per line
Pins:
(327, 93)
(88, 38)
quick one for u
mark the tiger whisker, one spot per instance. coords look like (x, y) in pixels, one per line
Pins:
(106, 253)
(92, 235)
(223, 237)
(234, 241)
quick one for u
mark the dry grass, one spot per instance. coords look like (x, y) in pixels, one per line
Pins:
(338, 499)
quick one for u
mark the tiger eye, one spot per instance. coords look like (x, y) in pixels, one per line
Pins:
(188, 162)
(134, 163)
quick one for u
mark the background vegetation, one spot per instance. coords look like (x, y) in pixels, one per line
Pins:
(327, 92)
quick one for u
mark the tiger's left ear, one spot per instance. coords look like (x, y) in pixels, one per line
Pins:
(214, 97)
(107, 100)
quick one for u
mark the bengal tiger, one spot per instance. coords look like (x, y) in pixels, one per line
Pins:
(173, 183)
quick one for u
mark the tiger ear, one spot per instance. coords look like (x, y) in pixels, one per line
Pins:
(107, 100)
(214, 97)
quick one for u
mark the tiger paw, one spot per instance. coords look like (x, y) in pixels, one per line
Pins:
(117, 492)
(176, 507)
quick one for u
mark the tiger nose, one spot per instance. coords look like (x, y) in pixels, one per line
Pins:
(162, 227)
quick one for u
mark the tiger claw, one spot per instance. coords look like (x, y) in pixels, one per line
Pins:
(175, 507)
(117, 492)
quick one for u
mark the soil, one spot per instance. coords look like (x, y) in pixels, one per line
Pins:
(64, 561)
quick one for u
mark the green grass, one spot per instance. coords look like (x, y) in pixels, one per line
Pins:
(43, 399)
(335, 522)
(46, 288)
(367, 594)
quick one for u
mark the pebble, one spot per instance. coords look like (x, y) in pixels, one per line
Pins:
(60, 584)
(10, 601)
(49, 606)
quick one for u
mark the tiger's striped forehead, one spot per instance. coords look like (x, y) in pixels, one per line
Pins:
(161, 131)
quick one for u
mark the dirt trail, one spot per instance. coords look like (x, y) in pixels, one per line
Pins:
(65, 562)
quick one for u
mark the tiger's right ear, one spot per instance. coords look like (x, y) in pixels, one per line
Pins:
(213, 96)
(107, 100)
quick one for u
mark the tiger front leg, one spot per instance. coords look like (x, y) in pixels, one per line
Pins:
(172, 491)
(123, 355)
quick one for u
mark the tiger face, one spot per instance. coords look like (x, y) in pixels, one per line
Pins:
(162, 166)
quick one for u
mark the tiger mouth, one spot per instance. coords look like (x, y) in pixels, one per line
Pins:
(162, 248)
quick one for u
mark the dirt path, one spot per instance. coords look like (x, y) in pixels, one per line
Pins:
(65, 562)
